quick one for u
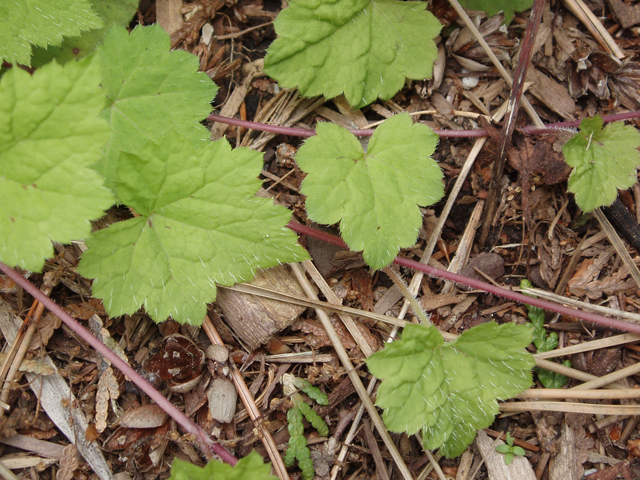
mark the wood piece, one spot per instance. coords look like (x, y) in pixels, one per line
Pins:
(231, 106)
(254, 320)
(520, 468)
(464, 468)
(551, 93)
(53, 392)
(565, 464)
(620, 216)
(620, 247)
(168, 15)
(381, 468)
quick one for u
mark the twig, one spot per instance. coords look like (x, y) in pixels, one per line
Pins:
(569, 407)
(353, 375)
(510, 121)
(471, 133)
(121, 365)
(487, 287)
(620, 247)
(590, 394)
(408, 296)
(249, 404)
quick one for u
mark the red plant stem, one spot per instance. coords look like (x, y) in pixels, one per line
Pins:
(121, 365)
(307, 132)
(477, 284)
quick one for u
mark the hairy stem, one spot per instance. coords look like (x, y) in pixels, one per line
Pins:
(121, 365)
(474, 133)
(477, 284)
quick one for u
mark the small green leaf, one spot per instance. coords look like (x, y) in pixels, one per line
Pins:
(50, 133)
(494, 6)
(603, 161)
(362, 48)
(449, 390)
(199, 224)
(519, 451)
(24, 23)
(374, 195)
(508, 458)
(250, 467)
(503, 448)
(112, 12)
(150, 90)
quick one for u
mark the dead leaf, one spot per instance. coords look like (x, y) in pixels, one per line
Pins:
(68, 463)
(144, 416)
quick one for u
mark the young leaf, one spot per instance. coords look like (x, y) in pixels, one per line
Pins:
(199, 224)
(494, 6)
(374, 195)
(40, 22)
(112, 12)
(603, 161)
(449, 390)
(364, 48)
(50, 132)
(250, 467)
(151, 90)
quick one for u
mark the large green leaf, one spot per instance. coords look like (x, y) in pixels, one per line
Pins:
(151, 90)
(112, 12)
(41, 22)
(199, 225)
(50, 132)
(250, 467)
(374, 195)
(362, 48)
(603, 161)
(447, 391)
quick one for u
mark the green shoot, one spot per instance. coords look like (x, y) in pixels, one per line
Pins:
(509, 450)
(250, 467)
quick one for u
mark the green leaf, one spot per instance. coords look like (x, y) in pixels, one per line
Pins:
(603, 161)
(374, 195)
(250, 467)
(449, 390)
(151, 90)
(494, 6)
(112, 12)
(199, 224)
(362, 48)
(50, 132)
(508, 458)
(503, 448)
(41, 22)
(519, 451)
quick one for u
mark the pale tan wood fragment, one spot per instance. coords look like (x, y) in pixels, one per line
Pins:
(551, 93)
(253, 319)
(519, 469)
(168, 15)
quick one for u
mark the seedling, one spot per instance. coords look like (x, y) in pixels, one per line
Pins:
(298, 449)
(250, 467)
(509, 450)
(544, 343)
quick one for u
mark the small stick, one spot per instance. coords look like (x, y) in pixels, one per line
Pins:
(249, 404)
(567, 407)
(353, 375)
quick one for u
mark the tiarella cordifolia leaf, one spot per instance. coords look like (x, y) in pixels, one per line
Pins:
(374, 195)
(603, 161)
(24, 23)
(447, 391)
(362, 48)
(199, 225)
(250, 467)
(50, 133)
(494, 6)
(112, 12)
(151, 90)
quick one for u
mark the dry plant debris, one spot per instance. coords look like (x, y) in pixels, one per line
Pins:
(539, 234)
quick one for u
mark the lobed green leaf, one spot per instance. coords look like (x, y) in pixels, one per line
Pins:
(150, 90)
(199, 225)
(362, 48)
(50, 133)
(250, 467)
(374, 195)
(603, 161)
(447, 391)
(112, 12)
(25, 23)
